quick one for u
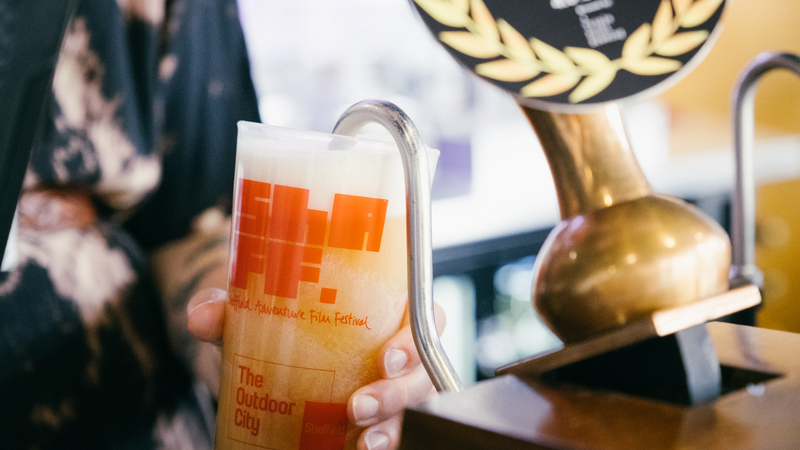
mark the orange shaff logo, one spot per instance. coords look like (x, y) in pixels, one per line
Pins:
(286, 244)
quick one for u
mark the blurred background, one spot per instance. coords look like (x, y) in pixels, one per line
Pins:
(494, 202)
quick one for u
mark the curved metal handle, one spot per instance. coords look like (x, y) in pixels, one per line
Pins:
(418, 229)
(743, 223)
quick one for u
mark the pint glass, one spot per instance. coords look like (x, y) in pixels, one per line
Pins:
(317, 284)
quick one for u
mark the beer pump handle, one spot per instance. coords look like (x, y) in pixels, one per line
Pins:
(418, 229)
(743, 223)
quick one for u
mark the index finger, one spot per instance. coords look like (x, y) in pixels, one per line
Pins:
(399, 355)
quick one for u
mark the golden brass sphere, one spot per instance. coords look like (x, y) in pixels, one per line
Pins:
(621, 251)
(610, 266)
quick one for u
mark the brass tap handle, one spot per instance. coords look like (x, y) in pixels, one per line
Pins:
(590, 158)
(621, 251)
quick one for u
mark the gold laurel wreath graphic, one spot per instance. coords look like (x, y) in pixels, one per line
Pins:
(586, 70)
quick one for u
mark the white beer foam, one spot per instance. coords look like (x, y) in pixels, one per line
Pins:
(325, 164)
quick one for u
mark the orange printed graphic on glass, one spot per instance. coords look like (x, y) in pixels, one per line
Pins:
(286, 245)
(313, 295)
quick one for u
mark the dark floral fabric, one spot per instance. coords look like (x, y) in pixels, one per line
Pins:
(93, 348)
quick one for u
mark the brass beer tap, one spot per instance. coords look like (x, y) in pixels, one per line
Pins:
(621, 250)
(624, 260)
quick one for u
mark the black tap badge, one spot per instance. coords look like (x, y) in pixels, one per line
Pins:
(566, 54)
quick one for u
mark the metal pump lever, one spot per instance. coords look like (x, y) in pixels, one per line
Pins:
(420, 246)
(743, 223)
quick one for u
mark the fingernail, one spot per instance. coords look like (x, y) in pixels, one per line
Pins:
(364, 408)
(394, 361)
(376, 441)
(206, 296)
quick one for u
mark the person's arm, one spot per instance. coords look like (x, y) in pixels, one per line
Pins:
(204, 87)
(183, 268)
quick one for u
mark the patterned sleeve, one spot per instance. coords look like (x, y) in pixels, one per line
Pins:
(204, 89)
(132, 181)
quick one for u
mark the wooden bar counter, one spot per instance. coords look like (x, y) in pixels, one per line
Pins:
(759, 408)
